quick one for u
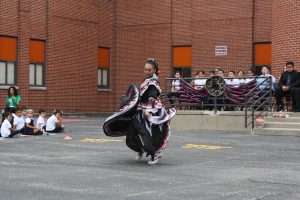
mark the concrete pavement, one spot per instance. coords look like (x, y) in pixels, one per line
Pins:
(208, 165)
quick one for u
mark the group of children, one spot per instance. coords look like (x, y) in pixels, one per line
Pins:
(21, 122)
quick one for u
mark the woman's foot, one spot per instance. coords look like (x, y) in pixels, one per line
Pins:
(153, 160)
(139, 156)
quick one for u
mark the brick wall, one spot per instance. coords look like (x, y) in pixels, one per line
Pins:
(142, 30)
(285, 33)
(262, 21)
(106, 19)
(135, 30)
(72, 56)
(218, 23)
(9, 17)
(8, 27)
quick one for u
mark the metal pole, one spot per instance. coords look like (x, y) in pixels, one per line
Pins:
(252, 115)
(215, 106)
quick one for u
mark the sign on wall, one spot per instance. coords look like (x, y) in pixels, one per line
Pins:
(221, 50)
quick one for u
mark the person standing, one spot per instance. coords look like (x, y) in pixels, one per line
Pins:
(13, 100)
(149, 130)
(289, 80)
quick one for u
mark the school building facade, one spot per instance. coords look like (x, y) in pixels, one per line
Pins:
(80, 56)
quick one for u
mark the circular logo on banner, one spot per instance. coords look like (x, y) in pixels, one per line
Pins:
(215, 86)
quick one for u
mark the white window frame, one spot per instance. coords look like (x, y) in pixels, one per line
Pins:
(103, 78)
(35, 78)
(12, 76)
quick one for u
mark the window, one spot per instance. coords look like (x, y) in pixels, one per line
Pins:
(8, 58)
(37, 63)
(103, 67)
(182, 60)
(186, 72)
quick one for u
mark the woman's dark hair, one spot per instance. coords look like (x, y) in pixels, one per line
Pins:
(57, 111)
(200, 71)
(241, 71)
(6, 114)
(290, 63)
(232, 72)
(41, 110)
(23, 107)
(15, 91)
(266, 66)
(179, 72)
(154, 63)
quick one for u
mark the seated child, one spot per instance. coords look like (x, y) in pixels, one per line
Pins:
(24, 112)
(18, 122)
(29, 128)
(40, 123)
(6, 128)
(54, 122)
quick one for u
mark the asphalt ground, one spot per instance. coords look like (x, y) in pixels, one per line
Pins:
(196, 165)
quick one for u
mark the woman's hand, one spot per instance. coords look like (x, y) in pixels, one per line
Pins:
(148, 115)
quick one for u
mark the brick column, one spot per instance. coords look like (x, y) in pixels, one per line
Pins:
(23, 50)
(285, 34)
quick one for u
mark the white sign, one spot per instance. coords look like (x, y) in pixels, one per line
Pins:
(221, 50)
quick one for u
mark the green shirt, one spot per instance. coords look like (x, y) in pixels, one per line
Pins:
(11, 103)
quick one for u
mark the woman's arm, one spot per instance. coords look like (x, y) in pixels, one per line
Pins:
(58, 123)
(17, 100)
(14, 128)
(6, 103)
(28, 125)
(152, 91)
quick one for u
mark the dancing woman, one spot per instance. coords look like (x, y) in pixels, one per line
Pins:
(148, 131)
(142, 117)
(151, 122)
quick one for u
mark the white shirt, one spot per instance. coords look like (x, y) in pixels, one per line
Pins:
(19, 122)
(199, 83)
(234, 82)
(249, 80)
(50, 126)
(242, 81)
(23, 117)
(176, 84)
(266, 84)
(40, 122)
(27, 120)
(5, 128)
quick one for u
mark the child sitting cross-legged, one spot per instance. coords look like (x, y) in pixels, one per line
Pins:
(18, 122)
(40, 123)
(29, 128)
(6, 127)
(54, 122)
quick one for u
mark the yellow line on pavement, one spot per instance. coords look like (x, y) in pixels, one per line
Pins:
(94, 140)
(203, 146)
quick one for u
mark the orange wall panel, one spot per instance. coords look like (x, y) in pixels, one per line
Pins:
(37, 51)
(263, 54)
(8, 48)
(182, 56)
(103, 58)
